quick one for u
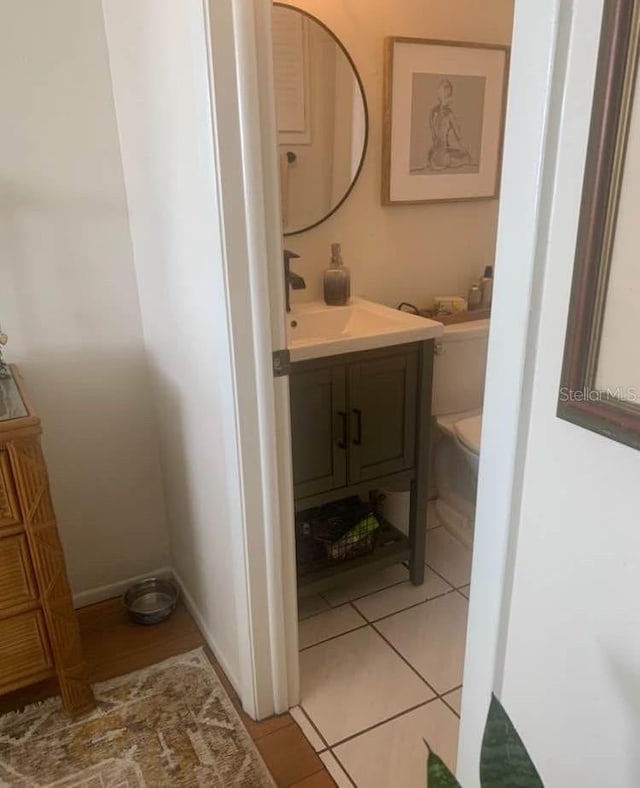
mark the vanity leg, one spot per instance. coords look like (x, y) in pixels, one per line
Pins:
(420, 485)
(417, 532)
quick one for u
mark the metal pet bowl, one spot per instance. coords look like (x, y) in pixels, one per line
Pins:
(151, 601)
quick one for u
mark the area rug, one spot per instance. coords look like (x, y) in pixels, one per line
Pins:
(171, 724)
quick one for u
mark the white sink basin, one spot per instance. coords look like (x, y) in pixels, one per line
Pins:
(315, 330)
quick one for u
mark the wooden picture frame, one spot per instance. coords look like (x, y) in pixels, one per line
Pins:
(443, 120)
(587, 396)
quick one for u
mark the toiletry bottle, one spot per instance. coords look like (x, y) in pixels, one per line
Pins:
(337, 280)
(486, 285)
(474, 299)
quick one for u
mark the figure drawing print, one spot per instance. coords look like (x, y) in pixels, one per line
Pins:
(446, 124)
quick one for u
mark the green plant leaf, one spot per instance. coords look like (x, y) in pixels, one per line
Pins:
(504, 760)
(438, 776)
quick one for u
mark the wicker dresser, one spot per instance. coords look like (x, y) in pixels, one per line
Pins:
(39, 635)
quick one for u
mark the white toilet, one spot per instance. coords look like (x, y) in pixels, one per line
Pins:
(458, 390)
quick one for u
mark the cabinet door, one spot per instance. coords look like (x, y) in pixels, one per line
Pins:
(382, 407)
(319, 424)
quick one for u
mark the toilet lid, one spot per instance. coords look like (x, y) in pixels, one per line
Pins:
(468, 432)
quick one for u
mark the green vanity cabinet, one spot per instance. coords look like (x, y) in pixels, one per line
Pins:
(359, 422)
(383, 407)
(318, 429)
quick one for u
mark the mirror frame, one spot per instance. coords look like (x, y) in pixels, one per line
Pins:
(365, 145)
(579, 401)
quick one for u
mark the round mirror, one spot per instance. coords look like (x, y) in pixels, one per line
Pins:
(322, 118)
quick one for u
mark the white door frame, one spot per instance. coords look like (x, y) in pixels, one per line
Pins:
(536, 75)
(240, 55)
(243, 111)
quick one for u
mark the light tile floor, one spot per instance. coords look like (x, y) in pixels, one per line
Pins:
(381, 668)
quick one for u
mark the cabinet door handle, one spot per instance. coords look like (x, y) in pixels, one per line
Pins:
(357, 441)
(342, 443)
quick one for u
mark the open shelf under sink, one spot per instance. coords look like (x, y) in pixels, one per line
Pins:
(316, 573)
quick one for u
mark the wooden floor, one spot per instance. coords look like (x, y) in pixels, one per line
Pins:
(113, 646)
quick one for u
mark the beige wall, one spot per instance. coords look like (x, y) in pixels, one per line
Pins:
(68, 295)
(401, 253)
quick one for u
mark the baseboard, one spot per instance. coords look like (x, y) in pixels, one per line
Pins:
(198, 618)
(94, 595)
(100, 594)
(455, 522)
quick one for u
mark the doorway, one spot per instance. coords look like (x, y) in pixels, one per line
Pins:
(382, 621)
(510, 334)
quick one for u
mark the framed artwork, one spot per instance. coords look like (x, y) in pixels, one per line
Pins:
(600, 382)
(444, 110)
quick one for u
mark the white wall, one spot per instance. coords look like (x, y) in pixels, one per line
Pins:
(401, 253)
(68, 295)
(571, 679)
(158, 58)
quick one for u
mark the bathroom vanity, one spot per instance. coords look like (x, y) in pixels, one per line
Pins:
(360, 376)
(360, 418)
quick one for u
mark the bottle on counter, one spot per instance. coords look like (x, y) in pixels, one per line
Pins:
(474, 299)
(486, 287)
(337, 279)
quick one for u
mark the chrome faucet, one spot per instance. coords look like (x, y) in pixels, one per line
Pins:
(291, 279)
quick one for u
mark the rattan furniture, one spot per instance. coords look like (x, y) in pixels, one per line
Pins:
(39, 635)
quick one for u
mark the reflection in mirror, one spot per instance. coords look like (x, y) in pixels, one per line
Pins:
(322, 118)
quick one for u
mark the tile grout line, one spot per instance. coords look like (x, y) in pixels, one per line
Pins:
(439, 695)
(351, 602)
(331, 748)
(442, 577)
(313, 615)
(403, 658)
(369, 593)
(369, 622)
(335, 637)
(364, 618)
(313, 725)
(449, 706)
(323, 596)
(386, 588)
(327, 747)
(344, 769)
(411, 607)
(393, 717)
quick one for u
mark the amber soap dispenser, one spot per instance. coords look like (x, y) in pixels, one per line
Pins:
(337, 280)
